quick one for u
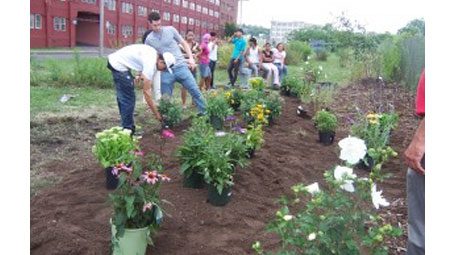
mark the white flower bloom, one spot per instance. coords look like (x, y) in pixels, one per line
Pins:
(288, 217)
(326, 76)
(313, 188)
(377, 198)
(341, 173)
(307, 62)
(320, 67)
(311, 236)
(220, 133)
(308, 58)
(353, 149)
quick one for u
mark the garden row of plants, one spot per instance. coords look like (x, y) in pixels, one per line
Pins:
(342, 215)
(221, 142)
(213, 147)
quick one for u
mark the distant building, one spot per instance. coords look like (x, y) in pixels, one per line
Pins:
(280, 30)
(69, 23)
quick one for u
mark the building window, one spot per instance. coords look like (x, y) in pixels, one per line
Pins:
(185, 4)
(176, 18)
(110, 4)
(191, 21)
(205, 10)
(192, 6)
(210, 12)
(126, 7)
(167, 16)
(35, 21)
(184, 20)
(167, 1)
(199, 8)
(176, 2)
(142, 11)
(155, 10)
(111, 28)
(59, 24)
(89, 1)
(216, 14)
(141, 31)
(126, 30)
(197, 22)
(218, 2)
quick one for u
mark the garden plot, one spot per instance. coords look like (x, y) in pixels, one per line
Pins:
(72, 217)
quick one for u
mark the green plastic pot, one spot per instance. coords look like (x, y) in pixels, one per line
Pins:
(133, 242)
(194, 181)
(217, 199)
(216, 122)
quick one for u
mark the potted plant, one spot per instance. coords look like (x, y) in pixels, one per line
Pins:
(274, 107)
(291, 86)
(195, 142)
(217, 170)
(137, 213)
(217, 110)
(170, 111)
(259, 114)
(234, 145)
(326, 123)
(257, 83)
(254, 139)
(112, 147)
(233, 98)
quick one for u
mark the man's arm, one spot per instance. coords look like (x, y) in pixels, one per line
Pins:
(188, 51)
(416, 149)
(147, 85)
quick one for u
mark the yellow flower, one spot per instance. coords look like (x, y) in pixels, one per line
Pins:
(232, 101)
(267, 111)
(373, 121)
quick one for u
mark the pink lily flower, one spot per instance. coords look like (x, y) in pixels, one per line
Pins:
(147, 207)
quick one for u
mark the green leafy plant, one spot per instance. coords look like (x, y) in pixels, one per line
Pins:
(233, 98)
(273, 103)
(375, 128)
(170, 111)
(338, 219)
(257, 83)
(136, 202)
(217, 166)
(217, 106)
(254, 137)
(248, 101)
(291, 85)
(235, 146)
(325, 121)
(114, 146)
(297, 51)
(196, 141)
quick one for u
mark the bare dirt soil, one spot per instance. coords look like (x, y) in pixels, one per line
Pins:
(72, 217)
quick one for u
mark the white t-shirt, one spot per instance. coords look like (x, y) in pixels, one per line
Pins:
(254, 55)
(279, 56)
(138, 57)
(213, 51)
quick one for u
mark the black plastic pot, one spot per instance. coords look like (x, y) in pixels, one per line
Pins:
(216, 122)
(250, 153)
(111, 180)
(219, 200)
(194, 181)
(366, 163)
(326, 138)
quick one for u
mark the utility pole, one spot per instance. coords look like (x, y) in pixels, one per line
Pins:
(101, 28)
(241, 11)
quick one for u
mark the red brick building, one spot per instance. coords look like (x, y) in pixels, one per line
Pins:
(69, 23)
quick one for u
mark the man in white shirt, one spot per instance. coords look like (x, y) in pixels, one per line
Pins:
(213, 46)
(141, 58)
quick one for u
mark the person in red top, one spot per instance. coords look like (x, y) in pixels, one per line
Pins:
(415, 159)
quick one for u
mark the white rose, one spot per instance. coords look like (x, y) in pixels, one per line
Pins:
(288, 217)
(313, 188)
(311, 236)
(377, 198)
(353, 149)
(341, 173)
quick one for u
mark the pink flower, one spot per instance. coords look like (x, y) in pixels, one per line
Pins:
(167, 133)
(121, 167)
(147, 206)
(164, 177)
(115, 171)
(151, 177)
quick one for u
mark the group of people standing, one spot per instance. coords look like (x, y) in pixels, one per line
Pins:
(251, 60)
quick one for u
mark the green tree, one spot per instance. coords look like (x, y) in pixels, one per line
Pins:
(229, 29)
(415, 27)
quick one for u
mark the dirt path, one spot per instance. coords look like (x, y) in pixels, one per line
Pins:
(72, 217)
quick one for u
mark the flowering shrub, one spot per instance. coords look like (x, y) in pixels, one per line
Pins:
(312, 72)
(114, 146)
(136, 202)
(257, 83)
(254, 137)
(217, 106)
(274, 105)
(233, 98)
(335, 219)
(260, 114)
(375, 129)
(291, 85)
(170, 111)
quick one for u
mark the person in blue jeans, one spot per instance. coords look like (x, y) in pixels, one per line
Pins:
(166, 39)
(279, 60)
(141, 58)
(237, 59)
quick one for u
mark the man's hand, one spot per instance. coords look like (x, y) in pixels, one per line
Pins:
(416, 150)
(235, 61)
(191, 63)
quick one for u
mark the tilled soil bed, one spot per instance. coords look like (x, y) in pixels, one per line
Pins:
(72, 217)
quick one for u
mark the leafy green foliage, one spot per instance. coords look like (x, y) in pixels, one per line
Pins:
(297, 52)
(170, 111)
(229, 29)
(416, 27)
(375, 129)
(254, 137)
(325, 121)
(291, 85)
(257, 83)
(114, 146)
(217, 106)
(217, 167)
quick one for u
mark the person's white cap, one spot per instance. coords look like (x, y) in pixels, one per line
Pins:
(170, 60)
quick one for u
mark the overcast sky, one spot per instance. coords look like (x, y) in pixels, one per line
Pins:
(378, 15)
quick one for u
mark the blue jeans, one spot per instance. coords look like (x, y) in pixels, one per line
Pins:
(183, 75)
(212, 68)
(233, 69)
(126, 97)
(416, 213)
(282, 70)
